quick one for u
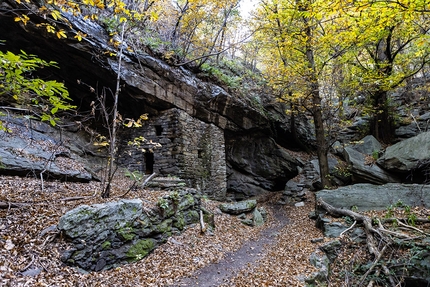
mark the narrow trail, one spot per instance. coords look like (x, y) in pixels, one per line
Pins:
(219, 273)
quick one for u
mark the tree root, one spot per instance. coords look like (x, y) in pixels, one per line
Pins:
(378, 239)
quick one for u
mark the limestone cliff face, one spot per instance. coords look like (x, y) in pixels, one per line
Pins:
(151, 86)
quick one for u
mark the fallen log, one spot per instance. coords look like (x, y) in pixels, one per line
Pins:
(7, 205)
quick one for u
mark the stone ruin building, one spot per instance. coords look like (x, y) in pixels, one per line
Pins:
(190, 149)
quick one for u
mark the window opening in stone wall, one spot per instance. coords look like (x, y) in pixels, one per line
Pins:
(201, 153)
(149, 162)
(158, 130)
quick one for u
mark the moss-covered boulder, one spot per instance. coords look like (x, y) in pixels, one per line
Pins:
(238, 207)
(108, 235)
(140, 249)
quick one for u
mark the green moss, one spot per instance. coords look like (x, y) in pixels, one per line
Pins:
(187, 202)
(84, 213)
(251, 204)
(191, 216)
(165, 226)
(106, 245)
(179, 221)
(209, 219)
(126, 233)
(140, 249)
(189, 198)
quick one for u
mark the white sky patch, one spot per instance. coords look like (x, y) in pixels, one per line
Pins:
(246, 6)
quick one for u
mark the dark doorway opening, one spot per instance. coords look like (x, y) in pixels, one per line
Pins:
(149, 162)
(158, 130)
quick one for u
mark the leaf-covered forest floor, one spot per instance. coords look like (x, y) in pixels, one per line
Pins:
(25, 244)
(276, 254)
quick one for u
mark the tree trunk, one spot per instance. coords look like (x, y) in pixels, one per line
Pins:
(322, 147)
(114, 127)
(381, 125)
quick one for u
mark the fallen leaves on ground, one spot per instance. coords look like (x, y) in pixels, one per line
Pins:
(29, 246)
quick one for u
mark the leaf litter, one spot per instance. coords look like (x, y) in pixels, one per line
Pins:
(29, 245)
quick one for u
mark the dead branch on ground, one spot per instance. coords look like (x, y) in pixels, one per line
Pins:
(202, 223)
(378, 238)
(9, 205)
(135, 183)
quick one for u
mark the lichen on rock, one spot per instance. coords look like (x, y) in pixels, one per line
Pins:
(115, 233)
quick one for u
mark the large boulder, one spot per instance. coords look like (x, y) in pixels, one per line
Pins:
(238, 207)
(407, 155)
(363, 171)
(368, 145)
(110, 234)
(376, 197)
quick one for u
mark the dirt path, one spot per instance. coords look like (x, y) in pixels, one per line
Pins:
(246, 257)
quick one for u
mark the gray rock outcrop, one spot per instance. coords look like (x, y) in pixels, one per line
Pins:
(29, 147)
(115, 233)
(238, 207)
(376, 197)
(368, 145)
(257, 164)
(407, 155)
(420, 124)
(366, 172)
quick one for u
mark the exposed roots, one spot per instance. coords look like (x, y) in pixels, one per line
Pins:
(378, 241)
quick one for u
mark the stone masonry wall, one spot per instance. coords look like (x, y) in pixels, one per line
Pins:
(202, 156)
(190, 149)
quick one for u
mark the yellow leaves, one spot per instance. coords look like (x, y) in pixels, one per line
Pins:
(91, 16)
(114, 42)
(169, 54)
(135, 123)
(43, 10)
(94, 3)
(79, 35)
(129, 124)
(100, 5)
(144, 117)
(50, 28)
(120, 8)
(56, 14)
(110, 53)
(61, 34)
(23, 18)
(101, 144)
(154, 16)
(101, 141)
